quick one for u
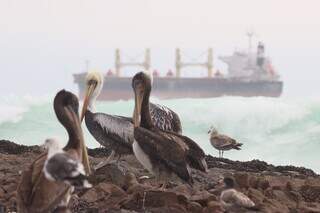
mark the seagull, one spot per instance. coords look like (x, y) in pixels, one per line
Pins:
(40, 189)
(233, 200)
(222, 142)
(59, 166)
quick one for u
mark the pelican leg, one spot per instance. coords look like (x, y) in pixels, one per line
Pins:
(219, 153)
(107, 161)
(222, 153)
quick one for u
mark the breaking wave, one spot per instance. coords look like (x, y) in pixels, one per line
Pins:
(277, 130)
(13, 107)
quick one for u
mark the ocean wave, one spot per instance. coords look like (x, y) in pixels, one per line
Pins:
(12, 107)
(277, 130)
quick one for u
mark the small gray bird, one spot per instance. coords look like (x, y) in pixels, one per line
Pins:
(59, 166)
(233, 200)
(222, 142)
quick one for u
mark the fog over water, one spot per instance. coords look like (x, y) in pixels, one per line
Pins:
(44, 41)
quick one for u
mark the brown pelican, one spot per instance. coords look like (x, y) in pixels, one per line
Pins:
(59, 166)
(38, 194)
(222, 142)
(232, 200)
(162, 153)
(116, 132)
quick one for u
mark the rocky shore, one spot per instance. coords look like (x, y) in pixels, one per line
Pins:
(123, 187)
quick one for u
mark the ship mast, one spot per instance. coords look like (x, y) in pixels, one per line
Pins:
(250, 34)
(207, 64)
(146, 63)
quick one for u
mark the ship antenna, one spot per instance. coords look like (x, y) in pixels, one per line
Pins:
(250, 34)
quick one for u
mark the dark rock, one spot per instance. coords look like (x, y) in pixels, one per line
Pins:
(8, 147)
(203, 197)
(310, 193)
(213, 206)
(256, 166)
(242, 179)
(263, 183)
(256, 196)
(183, 189)
(194, 207)
(284, 199)
(117, 188)
(155, 199)
(109, 173)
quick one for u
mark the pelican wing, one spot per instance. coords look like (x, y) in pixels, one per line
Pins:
(165, 150)
(164, 118)
(114, 132)
(195, 155)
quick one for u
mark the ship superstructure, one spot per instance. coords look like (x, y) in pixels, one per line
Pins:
(250, 73)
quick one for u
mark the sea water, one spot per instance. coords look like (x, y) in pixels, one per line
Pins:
(281, 131)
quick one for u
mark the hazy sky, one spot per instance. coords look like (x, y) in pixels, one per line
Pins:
(42, 42)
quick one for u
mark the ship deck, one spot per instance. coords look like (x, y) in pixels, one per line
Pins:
(117, 88)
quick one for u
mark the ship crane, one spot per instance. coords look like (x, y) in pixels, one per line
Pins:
(207, 64)
(146, 63)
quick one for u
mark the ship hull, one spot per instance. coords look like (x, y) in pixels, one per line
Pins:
(115, 88)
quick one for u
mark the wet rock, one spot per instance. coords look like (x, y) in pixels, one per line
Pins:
(183, 189)
(310, 193)
(256, 196)
(274, 206)
(310, 208)
(253, 182)
(213, 206)
(131, 185)
(242, 179)
(109, 196)
(112, 173)
(118, 188)
(203, 197)
(155, 199)
(284, 199)
(3, 208)
(263, 183)
(2, 193)
(194, 207)
(90, 196)
(8, 147)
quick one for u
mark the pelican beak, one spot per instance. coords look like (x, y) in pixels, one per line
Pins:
(87, 96)
(138, 92)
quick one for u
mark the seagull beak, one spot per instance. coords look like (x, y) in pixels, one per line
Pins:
(138, 92)
(87, 96)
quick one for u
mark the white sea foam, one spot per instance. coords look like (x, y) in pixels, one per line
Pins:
(277, 130)
(13, 107)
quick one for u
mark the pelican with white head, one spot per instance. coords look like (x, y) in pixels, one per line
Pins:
(94, 83)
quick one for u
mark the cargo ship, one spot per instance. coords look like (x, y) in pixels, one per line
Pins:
(250, 73)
